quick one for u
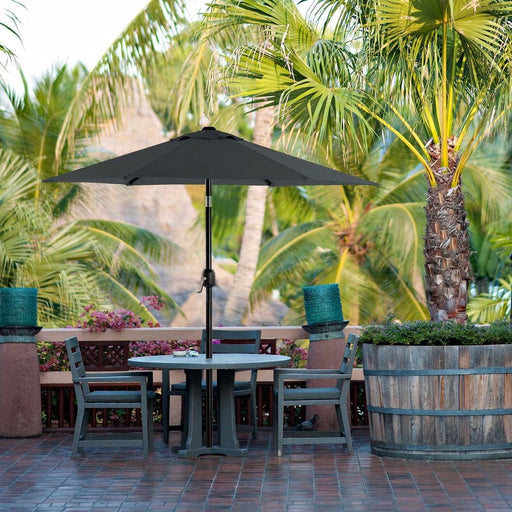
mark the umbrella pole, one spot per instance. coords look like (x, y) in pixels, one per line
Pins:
(209, 283)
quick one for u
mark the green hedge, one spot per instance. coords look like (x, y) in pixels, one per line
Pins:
(434, 333)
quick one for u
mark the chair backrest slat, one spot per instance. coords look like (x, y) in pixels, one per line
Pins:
(347, 363)
(234, 341)
(76, 365)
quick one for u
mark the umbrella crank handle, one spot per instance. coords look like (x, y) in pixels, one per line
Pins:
(207, 279)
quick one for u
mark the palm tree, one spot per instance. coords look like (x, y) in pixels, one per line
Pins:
(364, 239)
(119, 253)
(109, 85)
(10, 27)
(434, 74)
(70, 264)
(256, 200)
(32, 125)
(98, 102)
(192, 73)
(283, 20)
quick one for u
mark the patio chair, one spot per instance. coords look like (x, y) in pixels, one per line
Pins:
(232, 342)
(337, 396)
(98, 399)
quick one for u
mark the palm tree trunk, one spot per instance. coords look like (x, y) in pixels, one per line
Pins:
(238, 298)
(447, 249)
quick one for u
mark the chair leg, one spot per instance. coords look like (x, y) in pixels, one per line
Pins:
(151, 440)
(165, 404)
(344, 424)
(339, 417)
(254, 416)
(82, 418)
(145, 427)
(278, 423)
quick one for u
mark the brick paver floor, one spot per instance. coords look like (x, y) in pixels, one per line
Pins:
(36, 474)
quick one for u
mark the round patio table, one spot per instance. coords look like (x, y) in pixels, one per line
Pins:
(226, 366)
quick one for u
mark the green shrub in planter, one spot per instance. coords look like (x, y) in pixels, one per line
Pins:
(436, 334)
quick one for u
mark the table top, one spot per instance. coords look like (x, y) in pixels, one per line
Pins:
(217, 362)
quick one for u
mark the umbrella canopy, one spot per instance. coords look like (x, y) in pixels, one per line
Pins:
(206, 157)
(209, 154)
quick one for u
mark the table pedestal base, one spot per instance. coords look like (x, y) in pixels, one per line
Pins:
(192, 436)
(184, 453)
(192, 443)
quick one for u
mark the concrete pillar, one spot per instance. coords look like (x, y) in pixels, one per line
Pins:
(20, 388)
(324, 315)
(326, 354)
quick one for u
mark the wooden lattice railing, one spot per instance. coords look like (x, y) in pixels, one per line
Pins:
(109, 351)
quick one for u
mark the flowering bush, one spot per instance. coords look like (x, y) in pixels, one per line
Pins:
(160, 348)
(298, 355)
(100, 321)
(53, 356)
(152, 301)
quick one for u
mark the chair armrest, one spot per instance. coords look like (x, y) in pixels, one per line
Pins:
(121, 379)
(282, 374)
(147, 375)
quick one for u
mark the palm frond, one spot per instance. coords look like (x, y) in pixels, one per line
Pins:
(112, 81)
(488, 183)
(123, 293)
(11, 26)
(490, 307)
(396, 230)
(157, 247)
(287, 256)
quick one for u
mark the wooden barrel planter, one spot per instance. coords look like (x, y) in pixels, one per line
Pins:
(439, 402)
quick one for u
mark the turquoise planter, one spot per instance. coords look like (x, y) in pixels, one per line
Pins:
(322, 304)
(323, 312)
(18, 307)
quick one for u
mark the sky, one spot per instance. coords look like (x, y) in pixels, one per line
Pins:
(67, 31)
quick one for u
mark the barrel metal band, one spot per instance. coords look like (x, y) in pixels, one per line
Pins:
(438, 371)
(442, 448)
(439, 412)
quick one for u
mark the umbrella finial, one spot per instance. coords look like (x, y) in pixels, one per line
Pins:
(204, 121)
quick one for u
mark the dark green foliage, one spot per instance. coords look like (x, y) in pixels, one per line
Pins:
(434, 333)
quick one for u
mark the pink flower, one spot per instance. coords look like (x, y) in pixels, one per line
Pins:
(152, 301)
(100, 321)
(298, 355)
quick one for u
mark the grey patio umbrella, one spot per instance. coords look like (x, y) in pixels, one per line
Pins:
(206, 157)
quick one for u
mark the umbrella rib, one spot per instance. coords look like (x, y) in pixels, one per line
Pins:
(292, 162)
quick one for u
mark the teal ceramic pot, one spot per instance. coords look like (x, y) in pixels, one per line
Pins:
(323, 312)
(18, 307)
(322, 304)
